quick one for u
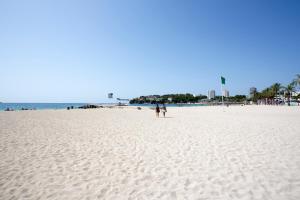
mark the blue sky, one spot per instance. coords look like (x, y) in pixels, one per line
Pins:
(78, 51)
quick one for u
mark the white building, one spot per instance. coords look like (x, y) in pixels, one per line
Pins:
(225, 93)
(211, 94)
(252, 92)
(294, 94)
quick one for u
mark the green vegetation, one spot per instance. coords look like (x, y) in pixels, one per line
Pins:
(232, 99)
(168, 98)
(184, 98)
(296, 82)
(270, 93)
(237, 98)
(277, 89)
(289, 89)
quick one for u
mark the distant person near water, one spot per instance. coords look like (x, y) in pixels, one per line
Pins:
(157, 110)
(164, 110)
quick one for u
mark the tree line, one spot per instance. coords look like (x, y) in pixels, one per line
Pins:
(168, 98)
(267, 93)
(183, 98)
(278, 89)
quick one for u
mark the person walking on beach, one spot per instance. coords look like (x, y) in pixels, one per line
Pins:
(157, 110)
(164, 110)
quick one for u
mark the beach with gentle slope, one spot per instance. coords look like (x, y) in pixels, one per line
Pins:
(236, 152)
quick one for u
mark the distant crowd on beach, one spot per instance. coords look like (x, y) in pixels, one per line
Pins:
(11, 109)
(270, 102)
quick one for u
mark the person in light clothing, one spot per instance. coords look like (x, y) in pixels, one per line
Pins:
(164, 110)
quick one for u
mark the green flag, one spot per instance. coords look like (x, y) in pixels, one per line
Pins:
(222, 80)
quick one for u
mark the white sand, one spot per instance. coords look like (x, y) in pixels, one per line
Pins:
(249, 152)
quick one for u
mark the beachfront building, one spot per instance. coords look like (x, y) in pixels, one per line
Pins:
(211, 94)
(295, 94)
(252, 92)
(226, 93)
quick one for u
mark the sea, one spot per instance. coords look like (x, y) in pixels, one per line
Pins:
(38, 106)
(57, 106)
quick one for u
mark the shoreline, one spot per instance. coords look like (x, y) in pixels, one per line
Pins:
(62, 106)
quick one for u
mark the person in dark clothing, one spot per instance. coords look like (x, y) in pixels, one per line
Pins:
(157, 110)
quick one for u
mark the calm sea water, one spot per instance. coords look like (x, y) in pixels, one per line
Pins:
(41, 106)
(38, 106)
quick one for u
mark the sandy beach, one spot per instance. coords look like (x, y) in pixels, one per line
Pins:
(239, 152)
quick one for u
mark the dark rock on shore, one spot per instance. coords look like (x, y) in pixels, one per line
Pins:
(89, 106)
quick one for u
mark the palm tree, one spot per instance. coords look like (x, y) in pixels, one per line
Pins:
(276, 87)
(296, 81)
(289, 89)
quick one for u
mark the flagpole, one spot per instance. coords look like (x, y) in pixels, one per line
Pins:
(222, 82)
(222, 94)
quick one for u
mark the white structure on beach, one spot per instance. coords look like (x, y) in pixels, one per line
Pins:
(211, 94)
